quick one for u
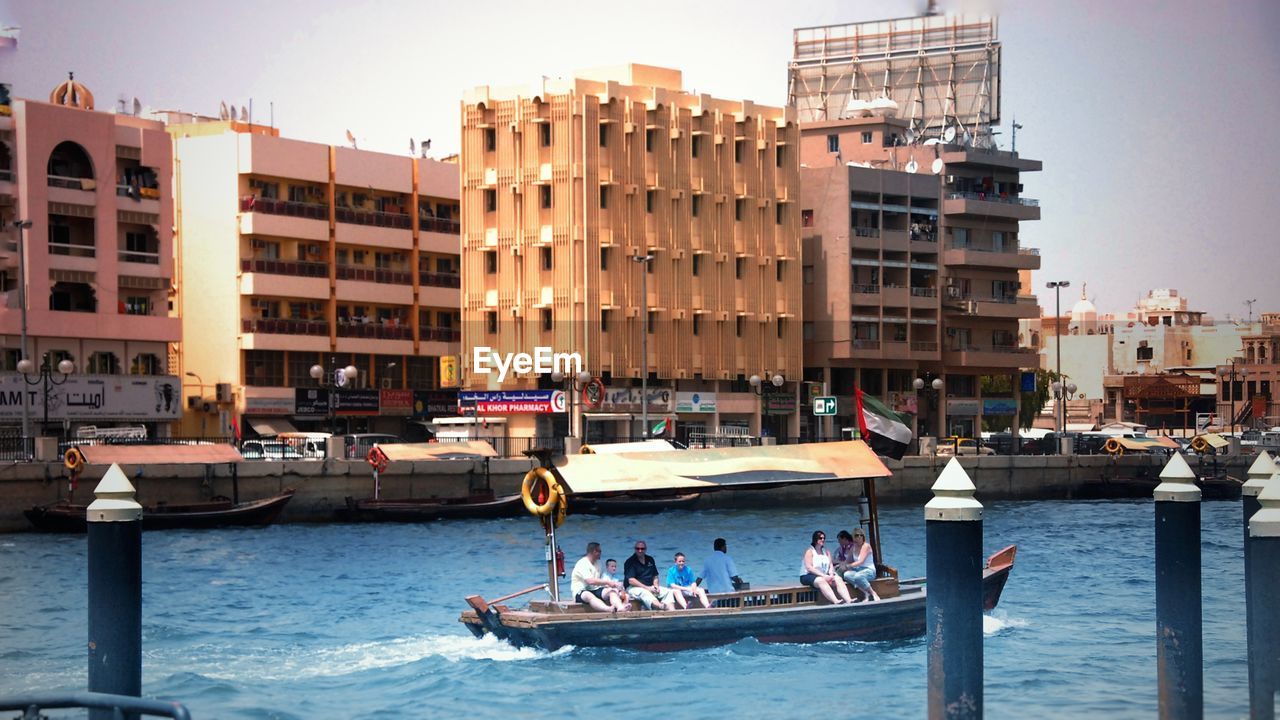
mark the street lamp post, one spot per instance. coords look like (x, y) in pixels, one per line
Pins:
(574, 384)
(644, 342)
(936, 385)
(1233, 374)
(758, 387)
(1056, 286)
(339, 377)
(203, 414)
(23, 226)
(45, 379)
(1061, 393)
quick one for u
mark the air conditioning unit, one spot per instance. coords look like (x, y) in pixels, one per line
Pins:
(193, 402)
(222, 391)
(386, 383)
(953, 292)
(313, 249)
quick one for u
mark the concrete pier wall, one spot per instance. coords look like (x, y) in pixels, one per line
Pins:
(322, 486)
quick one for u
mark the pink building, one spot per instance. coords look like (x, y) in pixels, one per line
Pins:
(96, 261)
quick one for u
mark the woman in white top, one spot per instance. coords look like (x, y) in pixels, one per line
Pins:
(819, 574)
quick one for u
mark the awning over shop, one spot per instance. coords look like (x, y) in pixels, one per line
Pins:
(160, 454)
(720, 468)
(438, 450)
(627, 447)
(271, 427)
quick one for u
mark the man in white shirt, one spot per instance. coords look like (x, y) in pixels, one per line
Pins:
(591, 589)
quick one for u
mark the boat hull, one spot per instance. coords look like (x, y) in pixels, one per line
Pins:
(804, 621)
(67, 518)
(425, 510)
(631, 504)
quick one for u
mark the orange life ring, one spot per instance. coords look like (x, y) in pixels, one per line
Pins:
(377, 459)
(553, 500)
(1114, 447)
(73, 459)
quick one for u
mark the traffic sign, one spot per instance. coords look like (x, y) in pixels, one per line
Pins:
(824, 405)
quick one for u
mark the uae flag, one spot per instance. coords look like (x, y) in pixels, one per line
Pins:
(885, 431)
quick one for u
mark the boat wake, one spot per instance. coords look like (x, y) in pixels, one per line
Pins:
(999, 620)
(279, 664)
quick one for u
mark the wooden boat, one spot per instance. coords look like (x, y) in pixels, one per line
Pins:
(792, 614)
(478, 505)
(632, 504)
(218, 512)
(68, 516)
(777, 614)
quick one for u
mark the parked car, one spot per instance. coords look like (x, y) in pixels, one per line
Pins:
(312, 445)
(357, 446)
(962, 446)
(269, 450)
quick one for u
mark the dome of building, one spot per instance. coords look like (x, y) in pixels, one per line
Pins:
(1083, 310)
(72, 94)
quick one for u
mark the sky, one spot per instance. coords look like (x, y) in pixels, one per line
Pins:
(1151, 117)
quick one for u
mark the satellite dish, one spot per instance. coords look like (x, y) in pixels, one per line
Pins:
(232, 116)
(911, 136)
(137, 107)
(413, 147)
(932, 141)
(937, 166)
(912, 166)
(222, 110)
(949, 134)
(244, 114)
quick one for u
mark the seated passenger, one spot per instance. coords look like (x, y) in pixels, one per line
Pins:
(718, 570)
(611, 571)
(641, 574)
(593, 591)
(817, 572)
(856, 563)
(680, 579)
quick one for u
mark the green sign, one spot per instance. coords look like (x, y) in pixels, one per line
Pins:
(824, 405)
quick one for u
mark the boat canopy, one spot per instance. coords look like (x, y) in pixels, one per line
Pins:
(719, 468)
(204, 454)
(453, 450)
(1143, 444)
(627, 447)
(1214, 440)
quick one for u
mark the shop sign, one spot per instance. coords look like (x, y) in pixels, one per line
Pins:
(778, 403)
(93, 397)
(627, 400)
(695, 402)
(396, 402)
(435, 403)
(311, 401)
(904, 402)
(260, 406)
(963, 406)
(356, 402)
(449, 371)
(513, 402)
(999, 406)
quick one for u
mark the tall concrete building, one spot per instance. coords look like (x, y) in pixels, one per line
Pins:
(88, 280)
(568, 186)
(911, 222)
(295, 255)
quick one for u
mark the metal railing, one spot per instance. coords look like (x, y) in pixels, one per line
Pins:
(866, 289)
(441, 334)
(386, 276)
(296, 268)
(6, 176)
(285, 326)
(67, 444)
(866, 232)
(436, 279)
(992, 197)
(924, 292)
(860, 344)
(15, 448)
(290, 208)
(63, 181)
(139, 256)
(376, 218)
(72, 249)
(440, 225)
(123, 705)
(374, 330)
(924, 346)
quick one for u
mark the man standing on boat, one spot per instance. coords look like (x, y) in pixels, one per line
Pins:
(641, 573)
(592, 590)
(718, 571)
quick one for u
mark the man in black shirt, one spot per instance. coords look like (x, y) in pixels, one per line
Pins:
(641, 578)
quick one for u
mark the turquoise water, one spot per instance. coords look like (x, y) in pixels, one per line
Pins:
(341, 621)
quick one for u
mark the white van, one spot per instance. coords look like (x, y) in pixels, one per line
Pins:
(311, 445)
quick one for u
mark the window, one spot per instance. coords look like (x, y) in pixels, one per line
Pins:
(695, 205)
(806, 274)
(263, 368)
(697, 322)
(1145, 353)
(490, 139)
(997, 241)
(738, 265)
(604, 197)
(137, 305)
(778, 214)
(833, 143)
(866, 137)
(782, 269)
(544, 134)
(737, 150)
(491, 262)
(960, 237)
(604, 135)
(649, 322)
(695, 144)
(648, 140)
(604, 320)
(806, 218)
(782, 327)
(544, 196)
(808, 330)
(697, 265)
(491, 322)
(648, 200)
(778, 156)
(545, 252)
(490, 200)
(604, 258)
(103, 363)
(546, 319)
(737, 326)
(738, 205)
(147, 364)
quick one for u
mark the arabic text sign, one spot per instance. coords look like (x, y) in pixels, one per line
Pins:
(507, 402)
(94, 397)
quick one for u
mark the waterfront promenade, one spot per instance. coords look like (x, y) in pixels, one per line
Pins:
(322, 485)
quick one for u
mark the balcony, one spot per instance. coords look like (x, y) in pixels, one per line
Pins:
(374, 330)
(860, 289)
(313, 211)
(1008, 357)
(446, 280)
(138, 256)
(980, 257)
(71, 249)
(283, 267)
(72, 183)
(438, 334)
(440, 225)
(924, 346)
(385, 276)
(375, 218)
(991, 205)
(284, 326)
(988, 157)
(1006, 307)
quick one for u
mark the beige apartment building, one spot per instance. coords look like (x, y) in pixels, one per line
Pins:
(567, 188)
(913, 261)
(294, 255)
